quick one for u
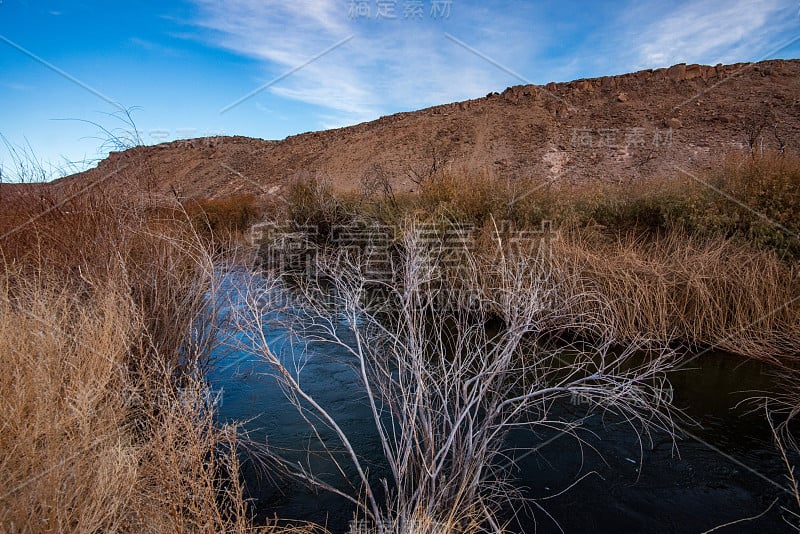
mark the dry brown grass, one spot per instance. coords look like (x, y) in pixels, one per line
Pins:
(106, 424)
(223, 220)
(87, 446)
(676, 288)
(752, 198)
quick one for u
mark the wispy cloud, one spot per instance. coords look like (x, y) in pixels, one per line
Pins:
(283, 35)
(389, 65)
(712, 31)
(392, 65)
(154, 47)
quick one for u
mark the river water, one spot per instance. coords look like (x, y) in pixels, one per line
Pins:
(721, 469)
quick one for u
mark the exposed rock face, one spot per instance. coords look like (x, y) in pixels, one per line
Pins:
(629, 126)
(677, 72)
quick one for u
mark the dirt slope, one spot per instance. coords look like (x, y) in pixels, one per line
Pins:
(615, 128)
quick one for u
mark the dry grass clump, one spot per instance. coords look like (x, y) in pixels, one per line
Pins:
(106, 423)
(311, 203)
(751, 199)
(670, 288)
(91, 240)
(703, 292)
(87, 445)
(760, 201)
(421, 522)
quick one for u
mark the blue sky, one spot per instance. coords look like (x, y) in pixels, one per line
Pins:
(316, 64)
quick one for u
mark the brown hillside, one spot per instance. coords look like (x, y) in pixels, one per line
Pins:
(613, 128)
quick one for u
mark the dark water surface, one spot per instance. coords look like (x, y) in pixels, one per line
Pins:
(720, 470)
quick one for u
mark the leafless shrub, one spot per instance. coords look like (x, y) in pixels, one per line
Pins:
(434, 161)
(442, 386)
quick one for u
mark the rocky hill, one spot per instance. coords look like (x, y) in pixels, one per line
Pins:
(615, 128)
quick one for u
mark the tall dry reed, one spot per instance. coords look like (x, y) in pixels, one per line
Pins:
(106, 423)
(703, 292)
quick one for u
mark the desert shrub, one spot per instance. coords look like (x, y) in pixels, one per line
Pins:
(443, 383)
(757, 198)
(312, 204)
(224, 217)
(460, 197)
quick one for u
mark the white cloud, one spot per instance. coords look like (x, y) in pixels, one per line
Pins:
(712, 31)
(389, 65)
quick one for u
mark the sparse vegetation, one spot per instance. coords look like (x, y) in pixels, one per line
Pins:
(705, 259)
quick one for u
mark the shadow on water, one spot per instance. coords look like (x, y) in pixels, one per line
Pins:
(722, 469)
